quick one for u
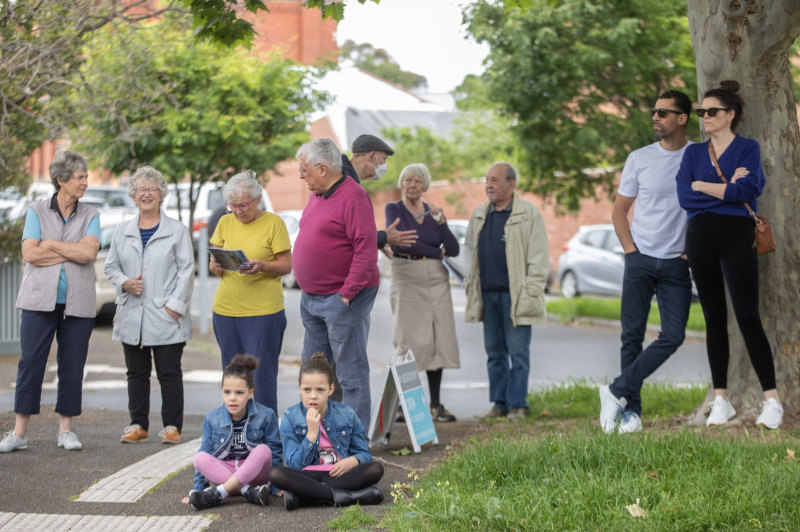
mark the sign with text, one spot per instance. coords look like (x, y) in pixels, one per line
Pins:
(403, 387)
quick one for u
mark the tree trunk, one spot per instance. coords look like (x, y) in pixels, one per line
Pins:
(749, 41)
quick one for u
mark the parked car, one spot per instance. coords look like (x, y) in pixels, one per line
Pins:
(106, 295)
(292, 220)
(593, 262)
(113, 196)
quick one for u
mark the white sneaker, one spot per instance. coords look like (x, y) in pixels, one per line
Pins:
(771, 415)
(69, 441)
(12, 442)
(610, 409)
(630, 422)
(721, 411)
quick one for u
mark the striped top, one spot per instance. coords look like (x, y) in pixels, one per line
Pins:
(147, 233)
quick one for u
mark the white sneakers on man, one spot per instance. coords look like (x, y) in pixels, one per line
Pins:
(771, 415)
(611, 409)
(721, 411)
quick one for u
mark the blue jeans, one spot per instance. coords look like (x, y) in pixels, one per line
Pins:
(645, 276)
(509, 353)
(341, 331)
(260, 336)
(37, 330)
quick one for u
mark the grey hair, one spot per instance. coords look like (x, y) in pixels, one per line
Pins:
(242, 182)
(511, 172)
(65, 163)
(148, 173)
(321, 151)
(419, 170)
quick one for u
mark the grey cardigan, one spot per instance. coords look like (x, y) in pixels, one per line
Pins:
(167, 268)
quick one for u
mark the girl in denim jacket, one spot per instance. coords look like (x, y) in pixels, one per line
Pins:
(326, 452)
(240, 442)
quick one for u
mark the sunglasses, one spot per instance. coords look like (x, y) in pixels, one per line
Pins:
(712, 111)
(662, 113)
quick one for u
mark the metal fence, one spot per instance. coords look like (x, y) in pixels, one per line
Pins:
(10, 276)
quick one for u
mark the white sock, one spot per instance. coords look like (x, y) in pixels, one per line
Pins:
(221, 490)
(245, 488)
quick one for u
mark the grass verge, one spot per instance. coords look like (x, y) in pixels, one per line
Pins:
(590, 481)
(607, 308)
(580, 400)
(352, 518)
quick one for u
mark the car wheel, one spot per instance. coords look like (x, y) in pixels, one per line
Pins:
(289, 281)
(569, 285)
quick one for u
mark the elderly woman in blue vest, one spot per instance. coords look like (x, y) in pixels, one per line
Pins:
(151, 265)
(59, 245)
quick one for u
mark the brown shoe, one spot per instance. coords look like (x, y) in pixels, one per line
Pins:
(494, 413)
(517, 414)
(170, 435)
(442, 415)
(133, 434)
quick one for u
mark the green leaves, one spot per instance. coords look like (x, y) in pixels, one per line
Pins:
(576, 78)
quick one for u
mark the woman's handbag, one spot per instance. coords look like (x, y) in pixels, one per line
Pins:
(764, 241)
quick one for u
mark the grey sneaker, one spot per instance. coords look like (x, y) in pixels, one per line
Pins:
(207, 498)
(12, 442)
(494, 413)
(258, 495)
(611, 408)
(630, 422)
(517, 414)
(69, 441)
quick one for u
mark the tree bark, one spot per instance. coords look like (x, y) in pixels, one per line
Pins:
(749, 41)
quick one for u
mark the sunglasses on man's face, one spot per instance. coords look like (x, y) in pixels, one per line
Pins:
(712, 111)
(662, 113)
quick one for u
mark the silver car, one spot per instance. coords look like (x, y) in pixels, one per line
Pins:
(593, 262)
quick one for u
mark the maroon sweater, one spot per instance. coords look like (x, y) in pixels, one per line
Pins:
(335, 248)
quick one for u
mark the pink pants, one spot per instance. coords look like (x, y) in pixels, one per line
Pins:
(252, 471)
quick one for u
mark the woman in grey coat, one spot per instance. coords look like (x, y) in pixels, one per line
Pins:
(151, 265)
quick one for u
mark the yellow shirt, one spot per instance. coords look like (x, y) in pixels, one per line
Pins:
(258, 294)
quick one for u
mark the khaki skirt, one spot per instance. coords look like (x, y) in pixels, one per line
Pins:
(422, 313)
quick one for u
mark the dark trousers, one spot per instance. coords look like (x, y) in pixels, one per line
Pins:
(139, 360)
(720, 250)
(669, 281)
(37, 330)
(259, 336)
(317, 485)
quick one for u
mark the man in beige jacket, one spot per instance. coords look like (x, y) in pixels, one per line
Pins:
(506, 286)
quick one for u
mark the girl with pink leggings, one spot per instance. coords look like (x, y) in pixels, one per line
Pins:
(240, 443)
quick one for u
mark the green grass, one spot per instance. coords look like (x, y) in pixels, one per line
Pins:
(569, 309)
(585, 480)
(352, 518)
(580, 400)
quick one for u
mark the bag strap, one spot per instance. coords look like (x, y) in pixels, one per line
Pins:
(715, 163)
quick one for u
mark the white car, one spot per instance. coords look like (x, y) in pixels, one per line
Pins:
(292, 220)
(106, 295)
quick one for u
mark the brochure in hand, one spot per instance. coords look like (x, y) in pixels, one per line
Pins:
(229, 259)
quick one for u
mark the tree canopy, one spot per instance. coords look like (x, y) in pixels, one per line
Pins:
(378, 61)
(154, 96)
(576, 78)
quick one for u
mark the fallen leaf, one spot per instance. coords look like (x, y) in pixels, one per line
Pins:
(653, 475)
(635, 510)
(790, 455)
(545, 413)
(405, 451)
(565, 406)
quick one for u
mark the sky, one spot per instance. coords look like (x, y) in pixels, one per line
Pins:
(423, 36)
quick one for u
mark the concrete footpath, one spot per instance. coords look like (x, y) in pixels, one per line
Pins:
(111, 486)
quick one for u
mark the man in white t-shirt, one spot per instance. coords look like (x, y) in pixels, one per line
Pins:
(654, 260)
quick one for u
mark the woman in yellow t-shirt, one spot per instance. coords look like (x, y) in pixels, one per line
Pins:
(248, 305)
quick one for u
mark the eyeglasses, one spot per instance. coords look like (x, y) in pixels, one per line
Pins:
(662, 113)
(239, 206)
(712, 111)
(304, 172)
(144, 191)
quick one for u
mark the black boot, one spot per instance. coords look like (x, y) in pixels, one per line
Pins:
(369, 495)
(292, 501)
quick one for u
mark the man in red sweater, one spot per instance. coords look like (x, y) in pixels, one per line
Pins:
(335, 263)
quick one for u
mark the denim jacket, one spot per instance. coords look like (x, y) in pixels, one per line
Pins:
(342, 426)
(261, 427)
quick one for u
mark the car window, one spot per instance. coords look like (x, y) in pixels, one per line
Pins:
(291, 224)
(215, 199)
(595, 239)
(459, 231)
(106, 233)
(612, 242)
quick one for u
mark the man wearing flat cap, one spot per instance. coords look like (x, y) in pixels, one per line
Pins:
(369, 162)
